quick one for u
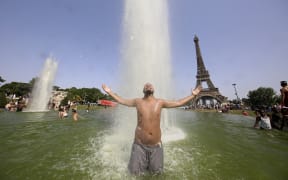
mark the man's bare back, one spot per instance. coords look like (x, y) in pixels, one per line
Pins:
(148, 130)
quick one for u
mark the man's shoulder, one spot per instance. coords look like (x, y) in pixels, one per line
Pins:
(138, 100)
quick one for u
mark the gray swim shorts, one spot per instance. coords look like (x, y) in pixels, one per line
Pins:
(146, 158)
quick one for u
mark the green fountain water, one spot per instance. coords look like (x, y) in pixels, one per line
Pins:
(217, 146)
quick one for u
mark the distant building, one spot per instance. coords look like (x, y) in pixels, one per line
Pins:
(57, 97)
(209, 96)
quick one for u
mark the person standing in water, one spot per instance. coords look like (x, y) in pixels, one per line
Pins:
(74, 111)
(147, 150)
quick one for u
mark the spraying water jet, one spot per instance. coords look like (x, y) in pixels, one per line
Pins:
(146, 58)
(41, 93)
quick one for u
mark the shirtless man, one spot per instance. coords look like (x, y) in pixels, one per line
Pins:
(284, 94)
(147, 150)
(74, 111)
(284, 102)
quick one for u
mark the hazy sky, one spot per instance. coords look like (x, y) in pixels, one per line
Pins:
(243, 42)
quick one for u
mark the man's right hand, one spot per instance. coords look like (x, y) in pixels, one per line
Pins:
(106, 88)
(197, 90)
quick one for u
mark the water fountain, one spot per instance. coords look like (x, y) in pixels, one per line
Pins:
(145, 58)
(98, 146)
(42, 89)
(146, 55)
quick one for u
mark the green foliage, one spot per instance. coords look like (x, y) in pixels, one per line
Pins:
(33, 81)
(3, 100)
(64, 102)
(245, 101)
(56, 88)
(2, 80)
(262, 97)
(83, 95)
(18, 88)
(278, 99)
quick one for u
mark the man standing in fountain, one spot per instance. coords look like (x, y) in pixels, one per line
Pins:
(147, 150)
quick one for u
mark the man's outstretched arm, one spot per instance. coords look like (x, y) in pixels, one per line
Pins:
(126, 102)
(181, 102)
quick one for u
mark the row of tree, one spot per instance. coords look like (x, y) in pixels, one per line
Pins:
(262, 97)
(3, 100)
(82, 95)
(255, 98)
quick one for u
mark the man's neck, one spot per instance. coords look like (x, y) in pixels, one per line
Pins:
(148, 96)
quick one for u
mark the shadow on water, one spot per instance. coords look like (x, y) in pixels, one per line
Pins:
(217, 146)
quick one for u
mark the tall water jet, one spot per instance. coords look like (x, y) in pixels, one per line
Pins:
(146, 55)
(146, 48)
(145, 58)
(41, 93)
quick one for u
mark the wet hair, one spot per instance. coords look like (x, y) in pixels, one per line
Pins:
(283, 83)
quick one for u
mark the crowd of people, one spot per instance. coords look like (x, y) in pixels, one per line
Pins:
(64, 110)
(279, 114)
(16, 105)
(275, 118)
(19, 104)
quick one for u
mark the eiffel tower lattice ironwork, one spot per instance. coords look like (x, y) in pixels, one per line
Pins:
(209, 93)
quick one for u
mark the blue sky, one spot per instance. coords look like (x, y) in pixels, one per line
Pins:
(243, 42)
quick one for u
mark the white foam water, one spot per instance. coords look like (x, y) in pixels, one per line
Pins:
(146, 58)
(43, 86)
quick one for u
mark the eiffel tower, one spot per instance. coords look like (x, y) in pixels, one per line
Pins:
(209, 92)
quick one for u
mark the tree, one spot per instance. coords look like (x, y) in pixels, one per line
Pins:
(245, 101)
(18, 88)
(83, 95)
(3, 100)
(64, 102)
(1, 80)
(33, 81)
(56, 88)
(262, 97)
